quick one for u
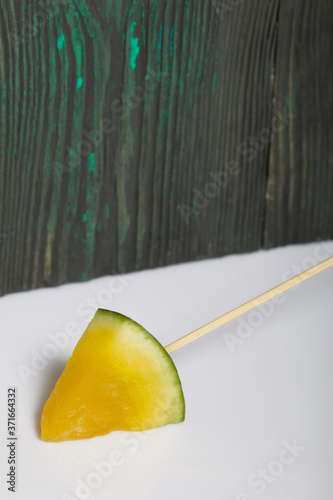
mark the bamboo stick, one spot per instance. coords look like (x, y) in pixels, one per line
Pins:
(251, 304)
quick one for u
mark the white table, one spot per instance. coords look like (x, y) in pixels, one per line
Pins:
(259, 399)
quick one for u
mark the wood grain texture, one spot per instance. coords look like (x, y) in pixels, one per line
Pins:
(300, 181)
(134, 134)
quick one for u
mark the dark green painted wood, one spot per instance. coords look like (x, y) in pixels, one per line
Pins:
(300, 188)
(179, 93)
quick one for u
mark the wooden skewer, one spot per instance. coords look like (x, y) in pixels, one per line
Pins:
(251, 304)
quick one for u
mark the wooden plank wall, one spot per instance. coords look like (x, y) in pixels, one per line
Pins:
(137, 134)
(300, 181)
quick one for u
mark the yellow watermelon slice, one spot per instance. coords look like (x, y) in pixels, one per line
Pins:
(119, 377)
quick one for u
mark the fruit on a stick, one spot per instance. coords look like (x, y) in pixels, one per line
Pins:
(119, 377)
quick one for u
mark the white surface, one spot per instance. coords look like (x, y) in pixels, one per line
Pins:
(245, 397)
